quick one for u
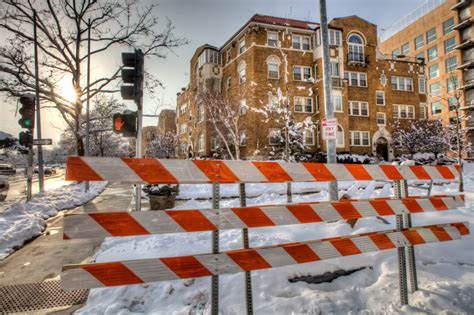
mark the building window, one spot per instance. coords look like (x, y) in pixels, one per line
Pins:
(301, 73)
(229, 55)
(183, 108)
(303, 104)
(183, 128)
(420, 56)
(381, 119)
(423, 111)
(449, 45)
(448, 26)
(356, 78)
(201, 143)
(334, 38)
(200, 112)
(404, 111)
(335, 69)
(395, 53)
(213, 144)
(383, 79)
(451, 64)
(431, 35)
(452, 84)
(242, 45)
(356, 48)
(452, 103)
(436, 107)
(229, 82)
(340, 137)
(432, 53)
(241, 70)
(402, 84)
(309, 136)
(243, 138)
(301, 42)
(434, 71)
(434, 89)
(419, 42)
(243, 106)
(337, 102)
(405, 49)
(316, 104)
(272, 39)
(273, 66)
(274, 136)
(360, 138)
(421, 85)
(358, 108)
(380, 98)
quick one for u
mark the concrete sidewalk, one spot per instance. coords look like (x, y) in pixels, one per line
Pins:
(42, 259)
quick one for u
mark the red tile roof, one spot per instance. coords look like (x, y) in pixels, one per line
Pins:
(284, 22)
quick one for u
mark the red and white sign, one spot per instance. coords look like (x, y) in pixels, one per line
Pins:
(329, 128)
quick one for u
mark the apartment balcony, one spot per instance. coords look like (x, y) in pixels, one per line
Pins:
(464, 24)
(467, 85)
(337, 83)
(461, 5)
(468, 64)
(357, 59)
(468, 43)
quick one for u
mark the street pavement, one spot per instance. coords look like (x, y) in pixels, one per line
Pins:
(43, 258)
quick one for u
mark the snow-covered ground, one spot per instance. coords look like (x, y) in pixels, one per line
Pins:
(445, 270)
(22, 221)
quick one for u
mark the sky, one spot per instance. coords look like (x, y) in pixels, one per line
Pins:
(213, 22)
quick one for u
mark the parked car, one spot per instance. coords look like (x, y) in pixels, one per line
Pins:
(4, 186)
(48, 171)
(7, 169)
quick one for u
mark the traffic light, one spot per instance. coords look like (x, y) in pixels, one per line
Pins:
(25, 138)
(27, 111)
(125, 124)
(132, 74)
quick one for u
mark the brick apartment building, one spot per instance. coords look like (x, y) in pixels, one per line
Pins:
(369, 91)
(440, 31)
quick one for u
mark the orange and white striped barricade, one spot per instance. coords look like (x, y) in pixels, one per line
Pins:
(155, 171)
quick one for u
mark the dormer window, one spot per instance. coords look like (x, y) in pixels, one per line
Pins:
(356, 48)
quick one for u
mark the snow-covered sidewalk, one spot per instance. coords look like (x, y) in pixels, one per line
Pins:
(446, 270)
(21, 222)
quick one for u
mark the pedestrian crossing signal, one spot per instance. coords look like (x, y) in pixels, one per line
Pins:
(125, 124)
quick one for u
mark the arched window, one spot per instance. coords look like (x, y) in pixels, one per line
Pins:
(273, 66)
(356, 48)
(340, 137)
(241, 71)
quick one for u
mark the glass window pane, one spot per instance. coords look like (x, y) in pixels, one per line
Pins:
(419, 42)
(431, 35)
(448, 26)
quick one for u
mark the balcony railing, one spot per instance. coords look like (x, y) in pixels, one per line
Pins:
(357, 58)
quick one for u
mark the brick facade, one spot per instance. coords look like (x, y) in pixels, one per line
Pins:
(259, 52)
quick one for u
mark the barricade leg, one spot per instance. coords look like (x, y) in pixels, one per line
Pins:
(245, 236)
(215, 250)
(289, 196)
(410, 249)
(402, 268)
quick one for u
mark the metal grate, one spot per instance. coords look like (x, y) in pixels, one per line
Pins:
(37, 296)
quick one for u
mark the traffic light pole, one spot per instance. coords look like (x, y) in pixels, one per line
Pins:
(138, 153)
(88, 94)
(29, 171)
(38, 112)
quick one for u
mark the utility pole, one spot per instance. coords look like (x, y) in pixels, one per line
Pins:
(38, 110)
(88, 92)
(330, 144)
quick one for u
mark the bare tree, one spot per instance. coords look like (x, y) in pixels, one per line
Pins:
(162, 147)
(62, 44)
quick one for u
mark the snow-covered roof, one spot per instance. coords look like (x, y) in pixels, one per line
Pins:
(4, 136)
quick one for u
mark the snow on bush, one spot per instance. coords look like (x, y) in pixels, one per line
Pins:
(22, 221)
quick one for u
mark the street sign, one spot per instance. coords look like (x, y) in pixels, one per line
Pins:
(329, 128)
(43, 141)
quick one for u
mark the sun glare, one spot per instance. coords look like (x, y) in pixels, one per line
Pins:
(66, 89)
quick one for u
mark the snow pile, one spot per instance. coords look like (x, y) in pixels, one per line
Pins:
(4, 136)
(445, 270)
(21, 222)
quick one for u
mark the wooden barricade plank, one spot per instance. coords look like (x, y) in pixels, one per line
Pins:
(109, 224)
(158, 171)
(228, 262)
